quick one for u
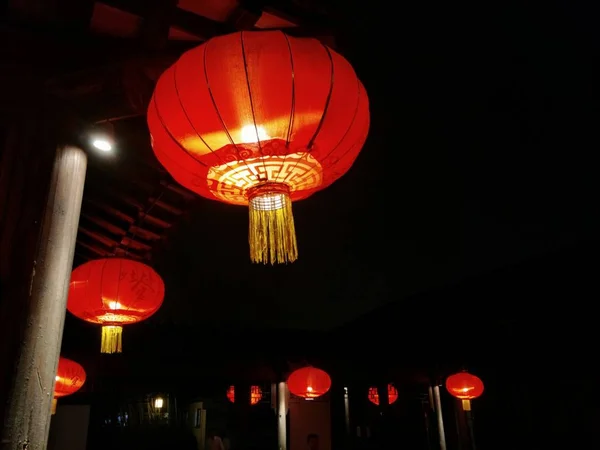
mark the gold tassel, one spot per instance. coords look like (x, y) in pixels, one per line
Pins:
(272, 236)
(112, 339)
(466, 404)
(54, 404)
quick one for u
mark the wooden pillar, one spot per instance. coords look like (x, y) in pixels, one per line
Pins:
(29, 394)
(440, 417)
(282, 409)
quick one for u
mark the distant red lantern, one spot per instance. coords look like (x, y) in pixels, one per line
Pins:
(260, 119)
(112, 293)
(392, 393)
(309, 383)
(255, 394)
(70, 376)
(465, 387)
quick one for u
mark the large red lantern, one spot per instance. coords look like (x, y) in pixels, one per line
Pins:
(112, 293)
(309, 382)
(260, 119)
(255, 394)
(392, 393)
(465, 387)
(70, 376)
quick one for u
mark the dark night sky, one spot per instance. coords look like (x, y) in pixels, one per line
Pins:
(479, 156)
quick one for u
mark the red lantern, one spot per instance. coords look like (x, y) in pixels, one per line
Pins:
(70, 376)
(465, 387)
(113, 293)
(259, 119)
(392, 392)
(255, 394)
(309, 382)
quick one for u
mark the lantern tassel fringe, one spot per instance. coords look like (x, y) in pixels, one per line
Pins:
(466, 404)
(53, 407)
(112, 339)
(272, 236)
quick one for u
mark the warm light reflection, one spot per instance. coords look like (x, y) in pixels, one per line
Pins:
(252, 134)
(231, 182)
(273, 129)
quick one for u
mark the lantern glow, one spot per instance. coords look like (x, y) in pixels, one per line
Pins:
(259, 119)
(392, 393)
(70, 377)
(465, 387)
(112, 293)
(255, 394)
(309, 383)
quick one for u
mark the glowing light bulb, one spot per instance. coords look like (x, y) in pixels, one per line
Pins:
(158, 403)
(114, 305)
(309, 389)
(102, 144)
(252, 134)
(56, 378)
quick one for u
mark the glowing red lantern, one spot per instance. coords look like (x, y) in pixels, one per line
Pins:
(465, 387)
(260, 119)
(112, 293)
(255, 394)
(392, 393)
(70, 376)
(309, 382)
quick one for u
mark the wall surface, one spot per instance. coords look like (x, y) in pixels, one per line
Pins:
(306, 417)
(69, 427)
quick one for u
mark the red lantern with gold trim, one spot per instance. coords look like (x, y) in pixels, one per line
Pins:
(465, 387)
(259, 119)
(255, 394)
(112, 293)
(309, 382)
(373, 394)
(70, 376)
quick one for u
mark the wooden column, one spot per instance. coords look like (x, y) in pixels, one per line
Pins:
(42, 305)
(440, 417)
(282, 409)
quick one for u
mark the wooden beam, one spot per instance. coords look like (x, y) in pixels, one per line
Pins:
(108, 242)
(188, 195)
(110, 210)
(113, 229)
(154, 221)
(144, 234)
(134, 244)
(167, 207)
(93, 248)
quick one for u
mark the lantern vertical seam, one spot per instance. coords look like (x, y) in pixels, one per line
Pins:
(184, 110)
(293, 102)
(288, 137)
(350, 126)
(214, 103)
(243, 48)
(185, 113)
(164, 127)
(327, 101)
(320, 125)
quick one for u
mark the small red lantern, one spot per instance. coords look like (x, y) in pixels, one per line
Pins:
(392, 392)
(465, 387)
(70, 376)
(112, 293)
(255, 394)
(309, 382)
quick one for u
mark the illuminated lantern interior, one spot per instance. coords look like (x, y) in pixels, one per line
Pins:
(392, 393)
(259, 118)
(309, 382)
(465, 387)
(70, 376)
(255, 394)
(112, 293)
